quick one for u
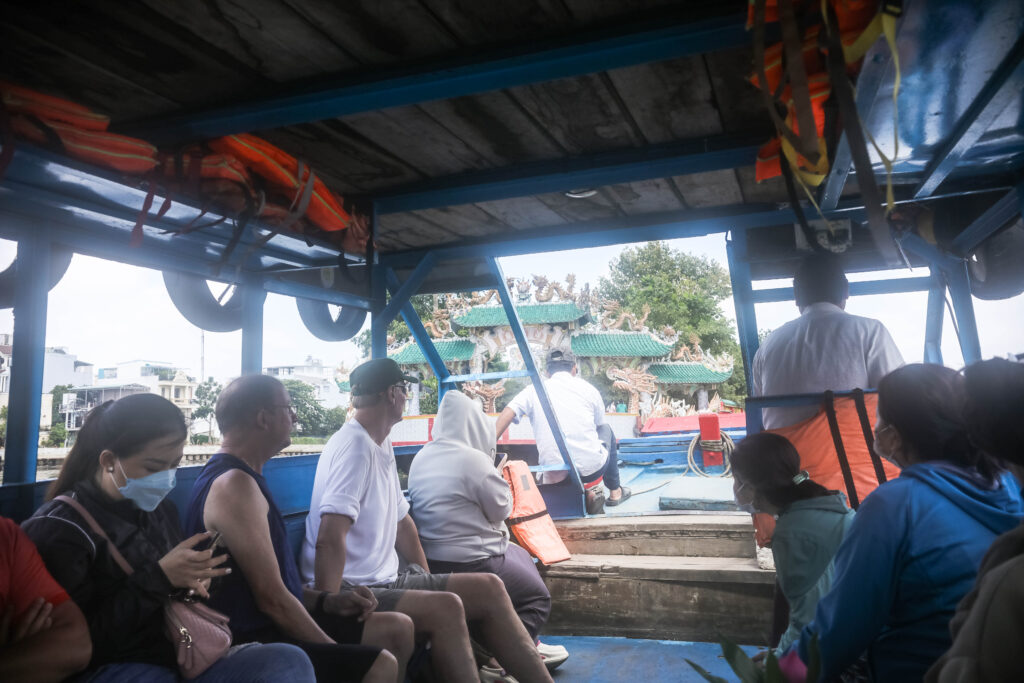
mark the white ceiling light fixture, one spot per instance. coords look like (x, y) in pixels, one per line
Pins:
(583, 193)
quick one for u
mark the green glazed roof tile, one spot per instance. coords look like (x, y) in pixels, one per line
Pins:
(613, 344)
(529, 314)
(449, 350)
(686, 373)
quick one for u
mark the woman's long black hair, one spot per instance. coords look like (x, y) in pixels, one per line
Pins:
(125, 427)
(768, 462)
(926, 404)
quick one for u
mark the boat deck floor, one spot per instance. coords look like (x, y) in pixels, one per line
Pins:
(667, 487)
(620, 660)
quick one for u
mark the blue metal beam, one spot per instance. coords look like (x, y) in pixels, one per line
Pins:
(595, 170)
(628, 230)
(419, 334)
(995, 217)
(963, 306)
(378, 329)
(538, 384)
(408, 289)
(933, 321)
(30, 301)
(483, 376)
(253, 297)
(1002, 88)
(591, 52)
(864, 288)
(743, 299)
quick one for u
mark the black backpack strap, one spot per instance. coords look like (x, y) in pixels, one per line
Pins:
(837, 439)
(869, 434)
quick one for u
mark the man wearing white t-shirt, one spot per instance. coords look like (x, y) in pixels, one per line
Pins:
(579, 409)
(824, 349)
(359, 522)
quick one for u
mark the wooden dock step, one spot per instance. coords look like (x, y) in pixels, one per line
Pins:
(684, 535)
(661, 597)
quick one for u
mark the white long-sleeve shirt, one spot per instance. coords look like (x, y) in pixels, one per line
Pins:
(824, 349)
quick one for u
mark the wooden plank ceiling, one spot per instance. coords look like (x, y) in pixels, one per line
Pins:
(135, 60)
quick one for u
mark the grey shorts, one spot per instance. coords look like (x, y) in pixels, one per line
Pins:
(412, 578)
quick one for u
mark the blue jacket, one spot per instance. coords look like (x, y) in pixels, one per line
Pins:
(911, 554)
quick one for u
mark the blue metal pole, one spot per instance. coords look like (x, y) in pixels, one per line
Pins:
(253, 296)
(423, 340)
(378, 327)
(531, 367)
(933, 322)
(963, 306)
(401, 296)
(743, 298)
(28, 353)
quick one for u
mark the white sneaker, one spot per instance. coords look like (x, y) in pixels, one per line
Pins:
(553, 655)
(489, 674)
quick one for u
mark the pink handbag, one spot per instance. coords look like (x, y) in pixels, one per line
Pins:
(200, 635)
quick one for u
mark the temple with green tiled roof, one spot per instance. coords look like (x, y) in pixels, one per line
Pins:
(609, 341)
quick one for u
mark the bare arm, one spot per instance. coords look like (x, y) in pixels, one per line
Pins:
(507, 417)
(49, 654)
(329, 561)
(407, 543)
(236, 508)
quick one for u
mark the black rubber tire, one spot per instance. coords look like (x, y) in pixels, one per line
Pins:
(995, 266)
(317, 318)
(60, 259)
(194, 300)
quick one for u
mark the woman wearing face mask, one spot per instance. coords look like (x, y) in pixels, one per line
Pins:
(120, 469)
(914, 548)
(812, 521)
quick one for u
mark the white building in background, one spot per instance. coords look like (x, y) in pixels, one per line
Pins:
(164, 379)
(323, 378)
(59, 368)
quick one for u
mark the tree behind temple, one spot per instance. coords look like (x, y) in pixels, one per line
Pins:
(310, 415)
(683, 291)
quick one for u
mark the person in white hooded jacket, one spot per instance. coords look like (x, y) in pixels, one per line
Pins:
(460, 502)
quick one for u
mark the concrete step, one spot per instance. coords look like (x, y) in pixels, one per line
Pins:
(661, 597)
(686, 535)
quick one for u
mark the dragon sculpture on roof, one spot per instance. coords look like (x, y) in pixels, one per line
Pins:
(488, 393)
(634, 381)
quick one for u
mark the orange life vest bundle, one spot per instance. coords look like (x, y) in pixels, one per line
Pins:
(529, 521)
(286, 174)
(79, 131)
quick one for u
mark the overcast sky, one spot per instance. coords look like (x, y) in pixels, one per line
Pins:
(105, 312)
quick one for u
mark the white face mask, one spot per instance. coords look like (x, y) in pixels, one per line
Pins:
(888, 457)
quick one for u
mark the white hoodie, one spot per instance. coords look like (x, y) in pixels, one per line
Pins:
(459, 500)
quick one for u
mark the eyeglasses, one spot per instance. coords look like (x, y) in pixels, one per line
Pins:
(404, 386)
(289, 406)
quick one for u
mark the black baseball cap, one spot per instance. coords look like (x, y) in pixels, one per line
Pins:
(560, 356)
(374, 376)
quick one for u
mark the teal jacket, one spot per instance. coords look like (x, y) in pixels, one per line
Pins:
(807, 535)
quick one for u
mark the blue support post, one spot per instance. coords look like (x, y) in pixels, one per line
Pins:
(253, 296)
(743, 298)
(963, 306)
(419, 334)
(861, 288)
(31, 291)
(933, 322)
(538, 384)
(378, 328)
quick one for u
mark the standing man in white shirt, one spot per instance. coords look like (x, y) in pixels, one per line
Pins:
(579, 408)
(824, 349)
(359, 522)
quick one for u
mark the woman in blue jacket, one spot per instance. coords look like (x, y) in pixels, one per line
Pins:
(914, 548)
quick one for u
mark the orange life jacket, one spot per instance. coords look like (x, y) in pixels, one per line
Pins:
(21, 100)
(121, 153)
(815, 441)
(529, 521)
(285, 174)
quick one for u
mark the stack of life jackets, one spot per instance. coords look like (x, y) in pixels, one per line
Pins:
(74, 130)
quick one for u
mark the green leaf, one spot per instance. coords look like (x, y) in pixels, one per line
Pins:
(741, 664)
(772, 672)
(707, 676)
